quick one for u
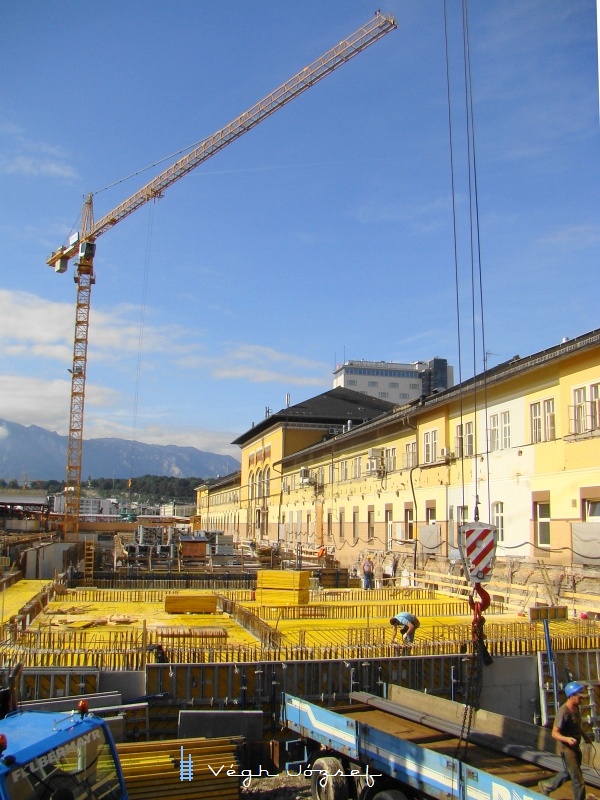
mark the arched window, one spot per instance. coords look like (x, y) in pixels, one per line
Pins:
(259, 484)
(267, 481)
(251, 485)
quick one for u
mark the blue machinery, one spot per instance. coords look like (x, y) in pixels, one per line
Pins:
(382, 745)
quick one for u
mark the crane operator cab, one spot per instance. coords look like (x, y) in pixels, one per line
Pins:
(58, 756)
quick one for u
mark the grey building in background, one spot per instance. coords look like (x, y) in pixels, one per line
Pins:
(394, 382)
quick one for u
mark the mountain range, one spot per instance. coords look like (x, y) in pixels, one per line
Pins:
(32, 453)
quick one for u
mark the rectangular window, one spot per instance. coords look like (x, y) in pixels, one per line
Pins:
(430, 514)
(355, 526)
(329, 525)
(595, 395)
(498, 519)
(430, 447)
(469, 439)
(462, 515)
(331, 473)
(389, 527)
(390, 459)
(343, 470)
(409, 531)
(458, 441)
(383, 394)
(371, 524)
(535, 421)
(579, 409)
(356, 467)
(393, 385)
(372, 384)
(505, 421)
(542, 524)
(410, 455)
(592, 510)
(549, 424)
(493, 433)
(351, 383)
(341, 523)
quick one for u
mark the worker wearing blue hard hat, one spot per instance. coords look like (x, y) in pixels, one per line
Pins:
(568, 733)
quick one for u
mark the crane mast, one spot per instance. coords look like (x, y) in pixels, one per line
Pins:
(83, 244)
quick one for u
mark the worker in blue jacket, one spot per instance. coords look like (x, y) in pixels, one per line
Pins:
(407, 623)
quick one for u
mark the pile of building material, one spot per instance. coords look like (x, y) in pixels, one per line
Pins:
(183, 603)
(182, 768)
(282, 587)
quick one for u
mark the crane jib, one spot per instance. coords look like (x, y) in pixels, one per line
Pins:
(337, 56)
(81, 244)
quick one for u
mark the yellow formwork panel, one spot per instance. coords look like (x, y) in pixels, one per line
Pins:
(154, 769)
(190, 603)
(18, 595)
(94, 629)
(282, 579)
(282, 597)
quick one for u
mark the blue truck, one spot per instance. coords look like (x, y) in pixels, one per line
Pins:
(49, 755)
(378, 749)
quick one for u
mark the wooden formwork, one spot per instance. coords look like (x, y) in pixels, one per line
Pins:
(366, 609)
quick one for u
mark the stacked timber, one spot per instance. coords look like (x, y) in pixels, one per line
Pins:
(282, 588)
(268, 558)
(333, 578)
(190, 603)
(182, 768)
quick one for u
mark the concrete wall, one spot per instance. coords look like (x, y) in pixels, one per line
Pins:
(510, 687)
(44, 562)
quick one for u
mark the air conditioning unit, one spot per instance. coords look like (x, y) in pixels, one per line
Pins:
(445, 452)
(372, 466)
(305, 476)
(375, 452)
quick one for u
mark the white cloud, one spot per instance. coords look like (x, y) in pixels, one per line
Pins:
(36, 167)
(24, 156)
(28, 401)
(422, 217)
(35, 327)
(259, 364)
(573, 236)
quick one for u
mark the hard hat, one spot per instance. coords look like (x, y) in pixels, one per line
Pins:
(573, 687)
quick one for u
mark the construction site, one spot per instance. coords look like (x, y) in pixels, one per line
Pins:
(207, 656)
(178, 638)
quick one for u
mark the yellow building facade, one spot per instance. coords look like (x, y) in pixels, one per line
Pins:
(519, 447)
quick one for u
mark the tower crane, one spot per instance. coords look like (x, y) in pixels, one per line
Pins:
(83, 244)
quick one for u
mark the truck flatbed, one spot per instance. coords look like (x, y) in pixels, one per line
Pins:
(413, 749)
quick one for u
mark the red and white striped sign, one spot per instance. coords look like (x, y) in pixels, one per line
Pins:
(477, 545)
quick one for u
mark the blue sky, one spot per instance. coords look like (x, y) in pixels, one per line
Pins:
(324, 234)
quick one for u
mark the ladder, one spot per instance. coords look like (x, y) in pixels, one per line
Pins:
(88, 563)
(548, 583)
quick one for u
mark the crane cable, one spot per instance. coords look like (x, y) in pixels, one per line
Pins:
(480, 655)
(140, 349)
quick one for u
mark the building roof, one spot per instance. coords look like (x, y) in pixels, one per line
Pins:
(334, 407)
(500, 373)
